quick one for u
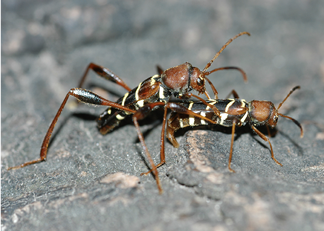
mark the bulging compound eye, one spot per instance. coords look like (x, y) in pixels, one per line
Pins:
(197, 80)
(273, 121)
(200, 81)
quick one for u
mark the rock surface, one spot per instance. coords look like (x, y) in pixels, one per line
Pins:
(93, 182)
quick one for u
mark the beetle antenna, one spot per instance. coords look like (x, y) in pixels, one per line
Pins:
(292, 90)
(296, 122)
(227, 68)
(221, 50)
(288, 117)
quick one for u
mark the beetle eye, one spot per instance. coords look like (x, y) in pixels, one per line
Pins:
(200, 81)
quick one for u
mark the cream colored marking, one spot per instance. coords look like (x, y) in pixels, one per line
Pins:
(140, 103)
(137, 90)
(203, 122)
(229, 104)
(191, 118)
(190, 105)
(243, 102)
(244, 117)
(125, 97)
(119, 117)
(191, 121)
(223, 117)
(153, 79)
(212, 103)
(161, 94)
(109, 111)
(181, 123)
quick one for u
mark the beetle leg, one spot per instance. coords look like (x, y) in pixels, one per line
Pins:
(84, 96)
(104, 73)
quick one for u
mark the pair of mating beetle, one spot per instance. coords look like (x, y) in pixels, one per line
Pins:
(156, 92)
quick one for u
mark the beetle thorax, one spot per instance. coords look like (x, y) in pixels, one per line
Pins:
(182, 79)
(263, 112)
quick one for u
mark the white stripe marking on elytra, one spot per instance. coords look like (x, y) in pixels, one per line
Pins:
(161, 94)
(191, 118)
(181, 123)
(213, 101)
(137, 90)
(223, 117)
(203, 122)
(119, 117)
(140, 103)
(244, 117)
(229, 105)
(124, 99)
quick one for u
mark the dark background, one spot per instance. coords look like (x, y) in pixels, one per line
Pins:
(89, 181)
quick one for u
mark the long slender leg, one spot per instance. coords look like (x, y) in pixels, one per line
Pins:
(216, 111)
(213, 89)
(162, 149)
(175, 107)
(266, 139)
(83, 96)
(104, 73)
(171, 129)
(231, 151)
(269, 132)
(153, 166)
(140, 114)
(234, 93)
(218, 69)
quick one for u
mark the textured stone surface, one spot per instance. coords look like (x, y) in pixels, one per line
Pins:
(89, 181)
